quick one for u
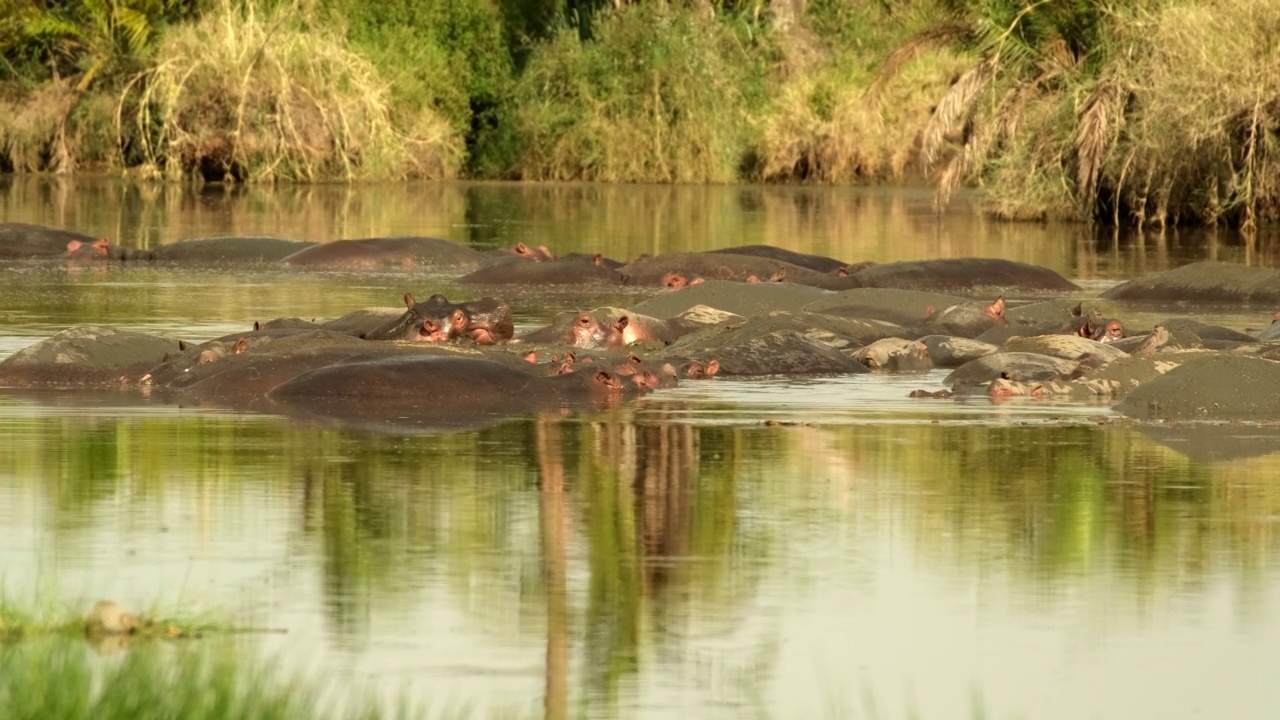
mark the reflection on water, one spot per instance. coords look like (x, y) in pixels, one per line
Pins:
(664, 562)
(729, 548)
(853, 224)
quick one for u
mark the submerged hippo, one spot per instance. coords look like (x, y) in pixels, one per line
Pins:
(438, 391)
(951, 275)
(1207, 281)
(564, 271)
(608, 328)
(386, 252)
(221, 250)
(20, 241)
(817, 263)
(485, 321)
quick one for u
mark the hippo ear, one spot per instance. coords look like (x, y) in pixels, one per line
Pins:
(622, 323)
(257, 326)
(608, 380)
(458, 319)
(522, 249)
(598, 259)
(531, 356)
(408, 300)
(713, 367)
(242, 346)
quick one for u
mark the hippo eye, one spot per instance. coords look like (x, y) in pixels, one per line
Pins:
(584, 321)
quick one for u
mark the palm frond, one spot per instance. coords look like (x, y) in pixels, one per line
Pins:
(954, 108)
(1096, 133)
(931, 39)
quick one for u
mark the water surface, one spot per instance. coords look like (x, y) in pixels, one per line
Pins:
(803, 547)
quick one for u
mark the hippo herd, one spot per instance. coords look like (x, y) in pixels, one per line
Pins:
(1004, 329)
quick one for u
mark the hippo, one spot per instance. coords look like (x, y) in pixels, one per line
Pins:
(223, 250)
(1216, 386)
(86, 356)
(1013, 366)
(1067, 347)
(963, 275)
(747, 349)
(734, 297)
(1272, 331)
(908, 308)
(608, 328)
(565, 271)
(966, 319)
(1095, 326)
(437, 391)
(386, 252)
(655, 271)
(485, 321)
(948, 351)
(197, 362)
(21, 241)
(816, 263)
(895, 355)
(1209, 281)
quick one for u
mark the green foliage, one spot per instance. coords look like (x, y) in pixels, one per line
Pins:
(446, 57)
(87, 37)
(655, 95)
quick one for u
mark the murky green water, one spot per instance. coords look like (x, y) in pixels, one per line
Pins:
(817, 547)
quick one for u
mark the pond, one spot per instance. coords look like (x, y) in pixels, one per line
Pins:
(789, 547)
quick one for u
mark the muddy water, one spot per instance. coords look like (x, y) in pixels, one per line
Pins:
(818, 547)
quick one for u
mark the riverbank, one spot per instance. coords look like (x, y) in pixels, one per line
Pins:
(1075, 114)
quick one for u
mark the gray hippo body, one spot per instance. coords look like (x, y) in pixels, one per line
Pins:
(564, 271)
(21, 241)
(816, 263)
(86, 356)
(1214, 387)
(1210, 281)
(386, 253)
(964, 275)
(435, 391)
(224, 250)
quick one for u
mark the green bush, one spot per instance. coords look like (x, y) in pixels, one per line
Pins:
(446, 57)
(657, 95)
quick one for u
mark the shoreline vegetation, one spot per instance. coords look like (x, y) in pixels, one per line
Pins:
(45, 671)
(1129, 112)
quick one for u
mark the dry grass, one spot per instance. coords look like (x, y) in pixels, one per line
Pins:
(844, 125)
(33, 128)
(254, 96)
(1203, 140)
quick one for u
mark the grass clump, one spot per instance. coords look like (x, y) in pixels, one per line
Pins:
(655, 95)
(251, 94)
(54, 678)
